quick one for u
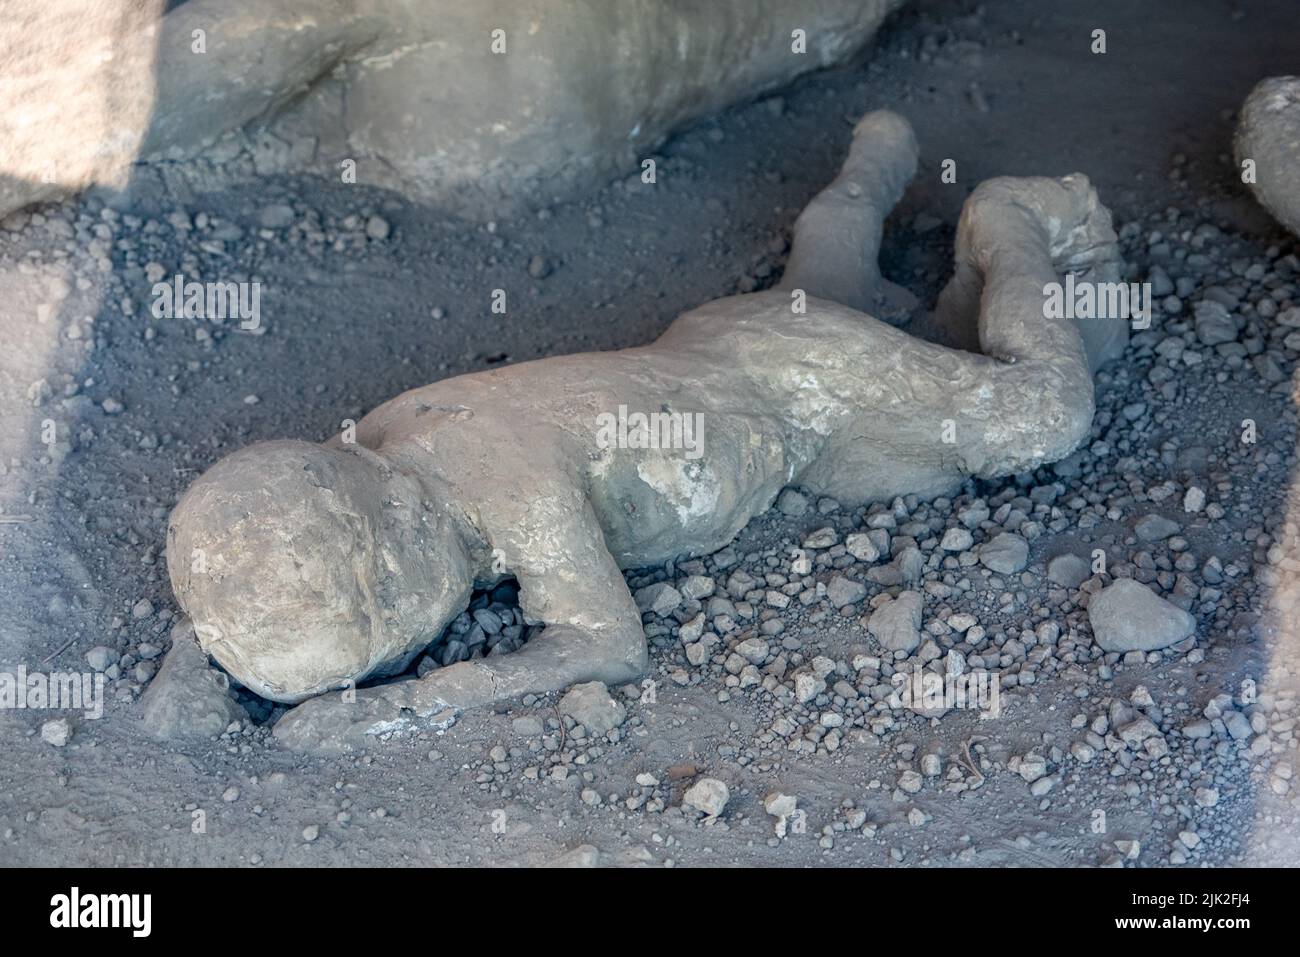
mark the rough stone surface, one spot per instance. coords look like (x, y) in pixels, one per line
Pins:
(592, 707)
(707, 795)
(1006, 554)
(897, 623)
(1068, 570)
(188, 697)
(56, 732)
(1128, 616)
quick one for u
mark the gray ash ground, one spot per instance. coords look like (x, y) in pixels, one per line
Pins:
(760, 680)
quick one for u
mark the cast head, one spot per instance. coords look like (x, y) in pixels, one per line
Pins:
(306, 568)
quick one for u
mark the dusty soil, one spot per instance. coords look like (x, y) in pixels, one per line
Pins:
(351, 320)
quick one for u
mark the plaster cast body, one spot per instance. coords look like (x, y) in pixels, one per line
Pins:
(325, 564)
(1268, 133)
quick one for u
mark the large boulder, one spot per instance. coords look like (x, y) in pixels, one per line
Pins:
(424, 96)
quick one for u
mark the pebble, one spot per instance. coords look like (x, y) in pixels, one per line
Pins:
(822, 538)
(792, 503)
(661, 599)
(708, 795)
(56, 732)
(276, 216)
(861, 547)
(101, 656)
(957, 540)
(1156, 528)
(1214, 324)
(781, 806)
(592, 707)
(1068, 571)
(897, 623)
(843, 591)
(1005, 554)
(526, 726)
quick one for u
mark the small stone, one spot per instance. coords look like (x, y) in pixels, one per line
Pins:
(1128, 616)
(708, 795)
(844, 591)
(897, 623)
(101, 656)
(1068, 571)
(807, 686)
(661, 599)
(1006, 554)
(1032, 767)
(142, 609)
(781, 806)
(526, 726)
(1194, 500)
(1214, 324)
(1238, 725)
(1136, 732)
(957, 540)
(754, 650)
(792, 502)
(1156, 528)
(276, 216)
(377, 228)
(311, 832)
(582, 856)
(539, 267)
(592, 707)
(188, 698)
(822, 538)
(56, 732)
(861, 547)
(697, 587)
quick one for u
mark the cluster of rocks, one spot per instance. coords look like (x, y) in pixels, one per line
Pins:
(492, 625)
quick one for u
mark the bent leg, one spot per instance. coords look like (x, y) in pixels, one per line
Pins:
(837, 236)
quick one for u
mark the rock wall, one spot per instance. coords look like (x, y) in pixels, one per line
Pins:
(476, 105)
